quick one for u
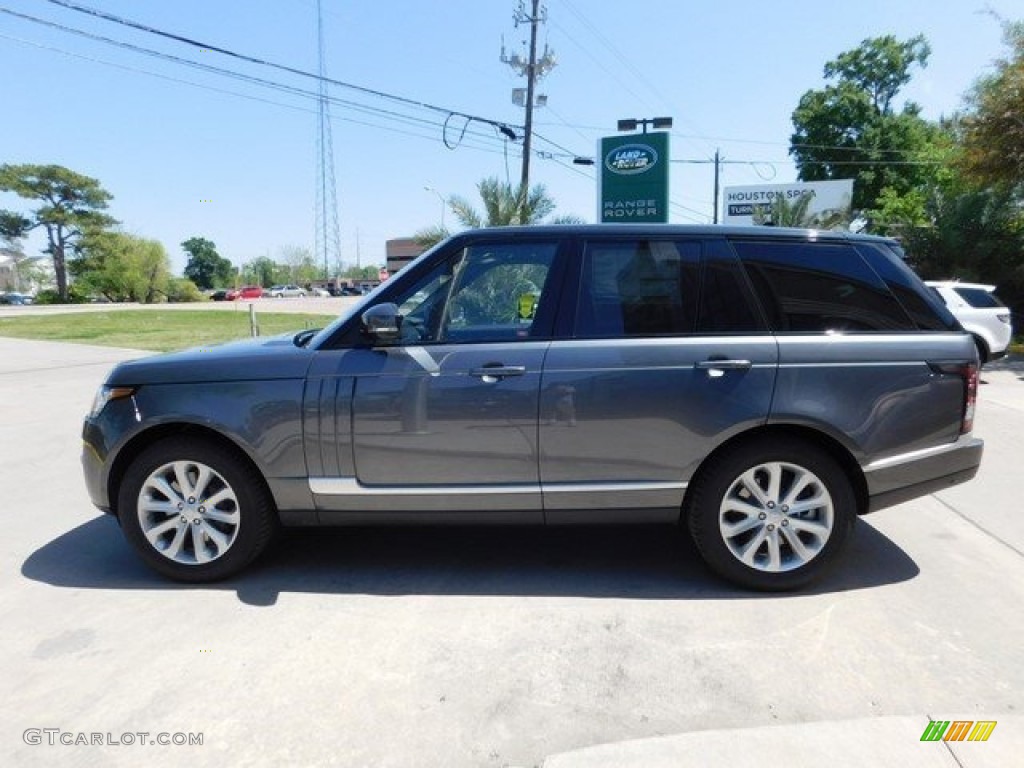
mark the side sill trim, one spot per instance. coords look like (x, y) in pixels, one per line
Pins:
(350, 486)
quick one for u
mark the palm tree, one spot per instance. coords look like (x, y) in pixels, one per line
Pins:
(782, 213)
(503, 205)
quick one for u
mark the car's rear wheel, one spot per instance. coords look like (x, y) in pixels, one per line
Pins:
(193, 511)
(771, 514)
(982, 350)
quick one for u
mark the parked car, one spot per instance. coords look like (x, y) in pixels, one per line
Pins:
(285, 292)
(760, 387)
(12, 299)
(246, 292)
(980, 312)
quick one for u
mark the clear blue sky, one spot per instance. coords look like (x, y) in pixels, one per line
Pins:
(236, 162)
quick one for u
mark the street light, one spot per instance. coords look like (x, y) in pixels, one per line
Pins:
(630, 124)
(444, 203)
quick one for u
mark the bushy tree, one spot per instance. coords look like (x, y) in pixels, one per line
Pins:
(853, 129)
(71, 205)
(122, 267)
(993, 128)
(207, 268)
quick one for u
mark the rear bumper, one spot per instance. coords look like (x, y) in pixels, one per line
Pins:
(901, 478)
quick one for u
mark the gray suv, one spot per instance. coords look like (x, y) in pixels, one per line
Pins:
(759, 387)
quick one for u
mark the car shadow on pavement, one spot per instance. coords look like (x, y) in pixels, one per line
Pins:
(638, 562)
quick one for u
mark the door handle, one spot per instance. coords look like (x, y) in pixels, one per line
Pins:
(723, 365)
(496, 372)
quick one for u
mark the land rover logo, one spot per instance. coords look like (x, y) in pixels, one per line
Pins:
(630, 159)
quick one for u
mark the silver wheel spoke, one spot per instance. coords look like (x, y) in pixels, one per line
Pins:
(202, 480)
(774, 550)
(160, 507)
(799, 550)
(799, 484)
(173, 550)
(222, 495)
(747, 555)
(220, 541)
(199, 545)
(222, 516)
(154, 533)
(181, 475)
(732, 530)
(774, 482)
(809, 505)
(165, 489)
(820, 530)
(749, 480)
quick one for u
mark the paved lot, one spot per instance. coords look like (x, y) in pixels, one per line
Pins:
(494, 647)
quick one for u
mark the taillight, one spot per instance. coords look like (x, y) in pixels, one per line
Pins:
(969, 373)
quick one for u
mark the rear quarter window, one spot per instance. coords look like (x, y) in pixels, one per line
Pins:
(820, 287)
(924, 304)
(979, 298)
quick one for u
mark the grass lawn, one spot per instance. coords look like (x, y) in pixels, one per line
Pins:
(160, 331)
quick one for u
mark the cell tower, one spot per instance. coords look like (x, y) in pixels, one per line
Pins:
(328, 237)
(533, 69)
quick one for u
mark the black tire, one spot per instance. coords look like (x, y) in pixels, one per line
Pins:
(982, 350)
(720, 496)
(204, 541)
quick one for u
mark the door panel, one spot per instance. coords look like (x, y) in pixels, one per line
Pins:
(638, 415)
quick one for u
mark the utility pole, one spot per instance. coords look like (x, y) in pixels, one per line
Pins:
(533, 69)
(717, 162)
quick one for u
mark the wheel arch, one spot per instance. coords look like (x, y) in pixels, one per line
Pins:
(836, 450)
(140, 442)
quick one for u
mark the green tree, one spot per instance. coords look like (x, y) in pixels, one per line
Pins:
(207, 268)
(852, 129)
(262, 271)
(993, 129)
(122, 267)
(503, 205)
(300, 264)
(71, 206)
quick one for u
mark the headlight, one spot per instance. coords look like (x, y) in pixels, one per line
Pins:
(105, 394)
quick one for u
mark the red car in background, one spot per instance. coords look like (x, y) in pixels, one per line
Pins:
(245, 292)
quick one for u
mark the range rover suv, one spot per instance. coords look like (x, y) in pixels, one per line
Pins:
(758, 387)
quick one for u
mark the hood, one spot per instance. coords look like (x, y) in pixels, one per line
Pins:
(273, 357)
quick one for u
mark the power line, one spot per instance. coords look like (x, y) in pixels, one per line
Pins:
(489, 149)
(290, 89)
(274, 65)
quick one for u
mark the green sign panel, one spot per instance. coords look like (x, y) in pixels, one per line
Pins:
(633, 182)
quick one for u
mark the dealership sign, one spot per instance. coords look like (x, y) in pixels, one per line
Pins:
(744, 204)
(633, 183)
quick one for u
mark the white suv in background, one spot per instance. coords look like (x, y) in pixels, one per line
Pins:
(980, 312)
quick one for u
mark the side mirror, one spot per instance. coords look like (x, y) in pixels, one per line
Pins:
(383, 323)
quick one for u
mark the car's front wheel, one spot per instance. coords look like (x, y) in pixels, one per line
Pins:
(193, 511)
(771, 514)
